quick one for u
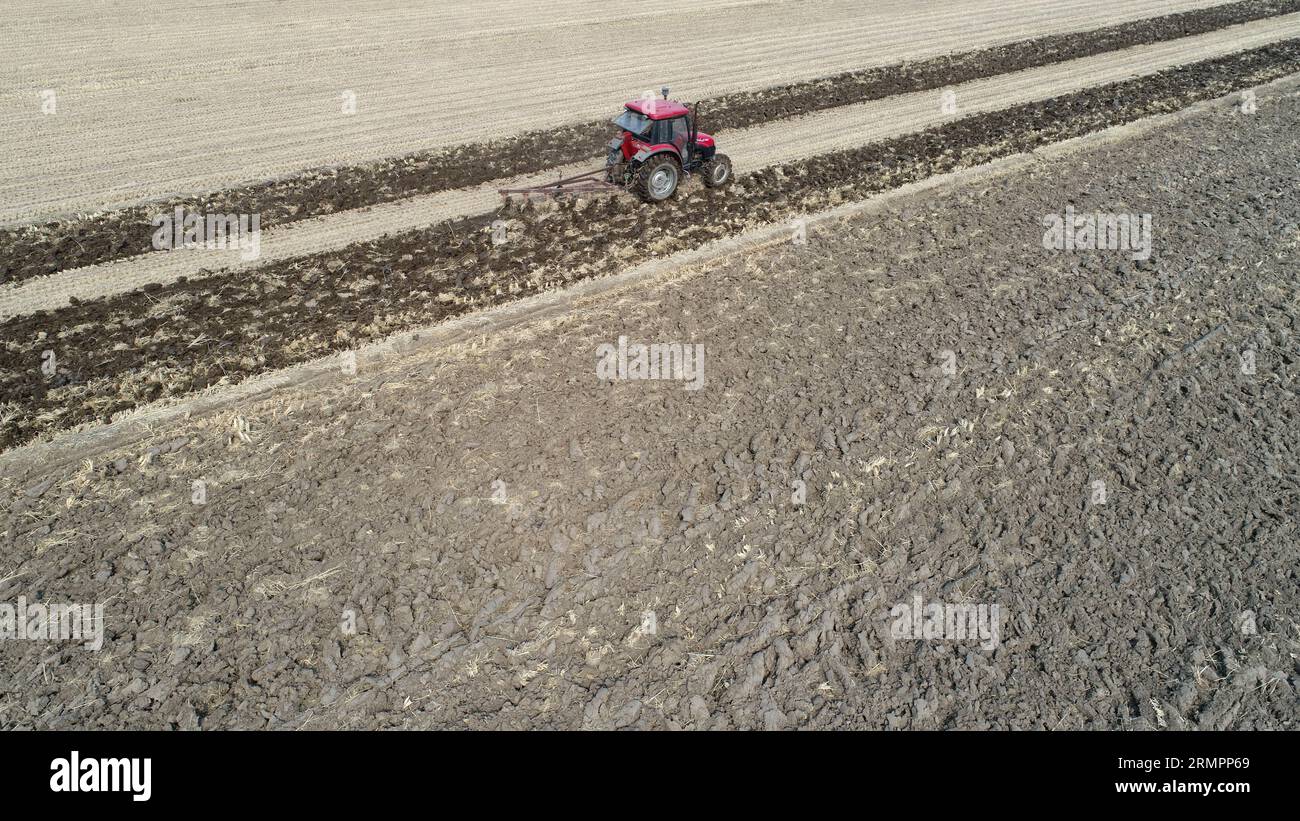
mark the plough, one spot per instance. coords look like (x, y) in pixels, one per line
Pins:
(588, 183)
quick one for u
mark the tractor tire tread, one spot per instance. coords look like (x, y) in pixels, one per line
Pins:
(708, 169)
(641, 182)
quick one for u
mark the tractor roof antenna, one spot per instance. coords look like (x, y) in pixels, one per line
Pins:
(664, 91)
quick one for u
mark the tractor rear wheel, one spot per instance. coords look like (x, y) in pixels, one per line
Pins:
(716, 173)
(656, 179)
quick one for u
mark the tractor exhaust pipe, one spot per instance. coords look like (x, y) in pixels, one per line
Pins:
(695, 129)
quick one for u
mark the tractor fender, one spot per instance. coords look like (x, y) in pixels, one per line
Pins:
(646, 153)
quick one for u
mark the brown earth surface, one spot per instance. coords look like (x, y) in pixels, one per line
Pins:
(33, 250)
(122, 352)
(518, 543)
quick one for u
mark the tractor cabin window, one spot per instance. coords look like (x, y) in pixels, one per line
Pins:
(638, 124)
(674, 131)
(681, 134)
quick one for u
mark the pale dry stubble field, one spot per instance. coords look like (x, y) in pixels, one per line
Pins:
(152, 103)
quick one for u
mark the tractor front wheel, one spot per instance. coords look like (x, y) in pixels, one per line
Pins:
(656, 179)
(716, 173)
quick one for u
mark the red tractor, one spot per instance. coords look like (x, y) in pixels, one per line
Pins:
(659, 143)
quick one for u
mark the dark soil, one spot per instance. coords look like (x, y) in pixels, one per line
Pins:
(31, 251)
(165, 341)
(370, 504)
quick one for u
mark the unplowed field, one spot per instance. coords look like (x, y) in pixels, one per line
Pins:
(752, 148)
(88, 239)
(150, 103)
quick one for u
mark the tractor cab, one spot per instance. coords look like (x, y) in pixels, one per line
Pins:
(658, 143)
(649, 125)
